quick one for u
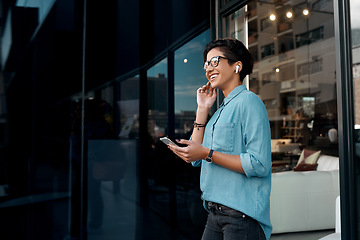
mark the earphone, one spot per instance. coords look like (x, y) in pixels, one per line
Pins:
(237, 69)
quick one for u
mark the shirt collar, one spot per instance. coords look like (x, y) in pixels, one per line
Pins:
(236, 91)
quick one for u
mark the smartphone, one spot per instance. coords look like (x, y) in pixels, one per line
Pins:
(167, 141)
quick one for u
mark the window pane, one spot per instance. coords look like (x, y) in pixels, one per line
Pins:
(157, 99)
(111, 129)
(355, 31)
(189, 76)
(156, 166)
(294, 75)
(294, 71)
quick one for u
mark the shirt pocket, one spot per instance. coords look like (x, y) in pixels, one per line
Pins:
(224, 134)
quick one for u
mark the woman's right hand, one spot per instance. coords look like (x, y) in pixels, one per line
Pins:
(206, 96)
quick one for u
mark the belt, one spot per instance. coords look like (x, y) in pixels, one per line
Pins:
(213, 207)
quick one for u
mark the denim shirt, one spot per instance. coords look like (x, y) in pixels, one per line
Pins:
(240, 127)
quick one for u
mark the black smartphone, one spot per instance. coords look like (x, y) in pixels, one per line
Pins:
(167, 141)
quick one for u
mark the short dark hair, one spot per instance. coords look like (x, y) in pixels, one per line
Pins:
(235, 50)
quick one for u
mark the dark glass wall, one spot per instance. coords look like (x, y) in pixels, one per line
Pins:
(74, 123)
(39, 74)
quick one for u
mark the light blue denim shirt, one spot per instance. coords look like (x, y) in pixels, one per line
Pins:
(240, 127)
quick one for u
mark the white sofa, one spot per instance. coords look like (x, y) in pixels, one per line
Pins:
(304, 201)
(337, 234)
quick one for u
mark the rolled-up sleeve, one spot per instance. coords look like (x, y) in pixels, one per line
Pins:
(256, 157)
(196, 163)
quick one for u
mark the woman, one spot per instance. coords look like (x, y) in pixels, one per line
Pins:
(232, 148)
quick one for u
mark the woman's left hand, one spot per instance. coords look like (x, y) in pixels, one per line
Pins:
(192, 152)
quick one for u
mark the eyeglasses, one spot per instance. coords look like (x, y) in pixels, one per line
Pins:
(214, 62)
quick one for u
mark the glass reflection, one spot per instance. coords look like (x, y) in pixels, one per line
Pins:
(43, 6)
(111, 133)
(157, 99)
(157, 163)
(189, 76)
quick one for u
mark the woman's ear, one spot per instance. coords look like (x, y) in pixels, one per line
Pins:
(238, 67)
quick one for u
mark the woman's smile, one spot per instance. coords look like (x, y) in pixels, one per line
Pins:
(213, 76)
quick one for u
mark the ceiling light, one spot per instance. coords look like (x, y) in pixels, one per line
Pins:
(272, 17)
(289, 14)
(306, 12)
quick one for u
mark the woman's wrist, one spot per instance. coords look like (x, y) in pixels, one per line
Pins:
(203, 108)
(202, 115)
(205, 153)
(202, 111)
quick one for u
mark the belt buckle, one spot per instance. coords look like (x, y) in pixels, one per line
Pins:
(211, 206)
(214, 207)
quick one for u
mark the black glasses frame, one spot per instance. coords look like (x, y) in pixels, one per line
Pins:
(214, 62)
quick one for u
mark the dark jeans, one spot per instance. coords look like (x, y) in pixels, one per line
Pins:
(228, 224)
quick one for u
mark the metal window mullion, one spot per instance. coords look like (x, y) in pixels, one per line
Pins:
(345, 117)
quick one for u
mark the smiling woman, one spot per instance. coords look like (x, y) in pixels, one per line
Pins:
(233, 146)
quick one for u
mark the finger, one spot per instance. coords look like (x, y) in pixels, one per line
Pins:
(211, 91)
(174, 148)
(201, 89)
(178, 154)
(205, 88)
(181, 155)
(208, 87)
(214, 92)
(183, 141)
(180, 151)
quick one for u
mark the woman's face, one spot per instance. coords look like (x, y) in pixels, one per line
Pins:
(222, 76)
